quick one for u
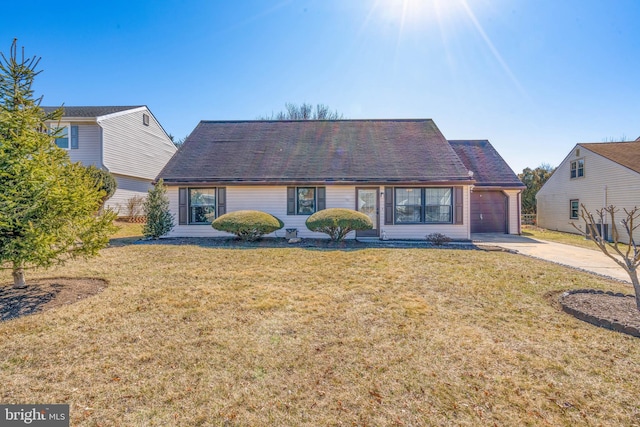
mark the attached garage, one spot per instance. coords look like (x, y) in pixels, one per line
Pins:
(488, 212)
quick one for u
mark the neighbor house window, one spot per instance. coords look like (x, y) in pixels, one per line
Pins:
(62, 136)
(305, 200)
(577, 168)
(423, 205)
(202, 205)
(574, 209)
(66, 136)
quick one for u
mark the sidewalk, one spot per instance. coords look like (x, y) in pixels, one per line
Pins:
(593, 261)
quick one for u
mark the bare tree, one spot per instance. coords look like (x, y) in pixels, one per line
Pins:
(304, 111)
(629, 258)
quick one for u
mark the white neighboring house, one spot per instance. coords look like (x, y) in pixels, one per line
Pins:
(596, 175)
(127, 141)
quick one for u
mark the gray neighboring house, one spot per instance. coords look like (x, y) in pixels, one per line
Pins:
(596, 175)
(403, 174)
(127, 141)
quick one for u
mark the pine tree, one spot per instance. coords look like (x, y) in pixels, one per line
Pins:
(48, 205)
(156, 209)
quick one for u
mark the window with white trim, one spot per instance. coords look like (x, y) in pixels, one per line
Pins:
(202, 205)
(574, 209)
(577, 168)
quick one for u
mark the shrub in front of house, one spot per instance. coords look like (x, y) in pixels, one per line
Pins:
(438, 239)
(247, 225)
(338, 222)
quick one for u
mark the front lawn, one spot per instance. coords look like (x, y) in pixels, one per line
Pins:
(558, 237)
(187, 335)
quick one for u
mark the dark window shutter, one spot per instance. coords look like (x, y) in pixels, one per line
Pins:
(388, 205)
(291, 200)
(222, 201)
(458, 197)
(182, 206)
(74, 137)
(321, 194)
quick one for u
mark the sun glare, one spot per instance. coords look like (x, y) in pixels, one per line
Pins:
(411, 13)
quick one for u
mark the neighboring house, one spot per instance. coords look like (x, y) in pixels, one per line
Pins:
(496, 195)
(404, 174)
(596, 175)
(127, 141)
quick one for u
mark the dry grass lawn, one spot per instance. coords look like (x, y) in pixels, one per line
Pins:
(559, 237)
(187, 336)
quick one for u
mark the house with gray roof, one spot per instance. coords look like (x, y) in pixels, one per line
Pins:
(127, 141)
(403, 174)
(595, 175)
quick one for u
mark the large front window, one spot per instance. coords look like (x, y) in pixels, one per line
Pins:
(202, 205)
(423, 205)
(306, 200)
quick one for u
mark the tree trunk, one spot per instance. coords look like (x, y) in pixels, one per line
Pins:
(18, 278)
(636, 286)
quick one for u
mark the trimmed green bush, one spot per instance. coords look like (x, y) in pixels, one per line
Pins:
(105, 181)
(247, 225)
(338, 222)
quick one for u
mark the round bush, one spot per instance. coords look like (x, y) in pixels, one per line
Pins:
(338, 222)
(247, 225)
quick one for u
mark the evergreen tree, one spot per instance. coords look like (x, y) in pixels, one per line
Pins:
(48, 205)
(156, 209)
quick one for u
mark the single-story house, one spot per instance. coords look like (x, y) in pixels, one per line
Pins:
(596, 175)
(404, 174)
(127, 141)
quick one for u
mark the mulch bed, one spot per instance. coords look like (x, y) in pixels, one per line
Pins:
(45, 294)
(276, 242)
(609, 310)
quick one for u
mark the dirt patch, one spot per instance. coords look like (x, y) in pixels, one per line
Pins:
(45, 294)
(609, 310)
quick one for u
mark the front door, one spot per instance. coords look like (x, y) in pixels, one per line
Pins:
(367, 203)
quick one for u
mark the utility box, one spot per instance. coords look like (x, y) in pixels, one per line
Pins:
(291, 233)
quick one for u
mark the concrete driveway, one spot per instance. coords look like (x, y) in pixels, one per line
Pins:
(584, 259)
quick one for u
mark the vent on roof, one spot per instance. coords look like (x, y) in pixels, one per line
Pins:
(577, 152)
(145, 119)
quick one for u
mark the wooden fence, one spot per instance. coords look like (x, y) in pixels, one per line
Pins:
(528, 219)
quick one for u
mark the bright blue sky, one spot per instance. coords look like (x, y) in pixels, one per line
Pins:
(534, 77)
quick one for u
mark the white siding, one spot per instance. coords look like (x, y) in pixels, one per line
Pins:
(128, 187)
(133, 149)
(273, 199)
(514, 211)
(604, 183)
(89, 150)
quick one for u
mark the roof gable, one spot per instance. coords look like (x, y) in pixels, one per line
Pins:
(488, 167)
(316, 151)
(626, 154)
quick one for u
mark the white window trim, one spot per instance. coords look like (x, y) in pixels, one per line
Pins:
(60, 125)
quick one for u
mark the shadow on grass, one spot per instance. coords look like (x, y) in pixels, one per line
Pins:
(44, 294)
(20, 302)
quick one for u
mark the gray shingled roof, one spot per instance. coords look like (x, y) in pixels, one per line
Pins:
(489, 169)
(91, 111)
(315, 151)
